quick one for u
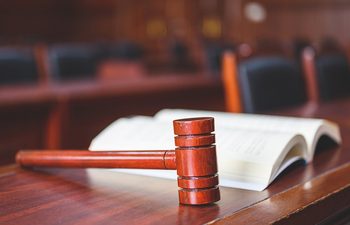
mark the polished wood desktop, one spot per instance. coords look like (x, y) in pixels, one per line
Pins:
(304, 194)
(194, 159)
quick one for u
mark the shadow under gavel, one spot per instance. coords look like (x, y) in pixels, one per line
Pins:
(194, 159)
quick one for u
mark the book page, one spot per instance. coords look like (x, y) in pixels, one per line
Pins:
(139, 132)
(309, 128)
(245, 157)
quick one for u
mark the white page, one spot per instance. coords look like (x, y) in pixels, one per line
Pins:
(304, 126)
(245, 157)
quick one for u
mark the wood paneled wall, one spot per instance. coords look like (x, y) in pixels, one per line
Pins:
(155, 24)
(312, 19)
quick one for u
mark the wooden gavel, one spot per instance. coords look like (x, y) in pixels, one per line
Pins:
(194, 159)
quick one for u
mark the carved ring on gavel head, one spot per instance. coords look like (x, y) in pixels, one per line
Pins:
(194, 159)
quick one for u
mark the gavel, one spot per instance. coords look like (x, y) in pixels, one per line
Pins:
(194, 158)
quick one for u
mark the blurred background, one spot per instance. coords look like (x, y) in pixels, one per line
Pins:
(70, 68)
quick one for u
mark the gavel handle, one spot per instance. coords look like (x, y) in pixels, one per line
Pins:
(153, 159)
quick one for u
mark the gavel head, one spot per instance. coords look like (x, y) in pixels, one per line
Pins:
(196, 161)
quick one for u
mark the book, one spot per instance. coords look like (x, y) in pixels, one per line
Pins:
(252, 150)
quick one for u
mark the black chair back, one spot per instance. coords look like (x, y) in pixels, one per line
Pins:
(269, 83)
(333, 76)
(17, 66)
(214, 52)
(73, 62)
(125, 51)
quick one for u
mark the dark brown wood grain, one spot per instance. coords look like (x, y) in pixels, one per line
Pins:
(303, 194)
(120, 20)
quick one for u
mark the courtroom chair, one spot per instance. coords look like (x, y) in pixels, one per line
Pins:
(327, 74)
(17, 66)
(309, 72)
(180, 57)
(329, 45)
(333, 76)
(229, 76)
(124, 50)
(73, 61)
(214, 53)
(262, 48)
(268, 83)
(298, 46)
(120, 61)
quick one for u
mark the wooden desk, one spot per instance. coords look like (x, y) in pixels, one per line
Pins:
(308, 194)
(24, 111)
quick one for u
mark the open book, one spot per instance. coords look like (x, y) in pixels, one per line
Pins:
(251, 149)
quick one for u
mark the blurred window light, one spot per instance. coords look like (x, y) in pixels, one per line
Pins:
(156, 28)
(211, 27)
(255, 12)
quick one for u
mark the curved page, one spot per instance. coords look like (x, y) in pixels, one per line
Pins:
(246, 158)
